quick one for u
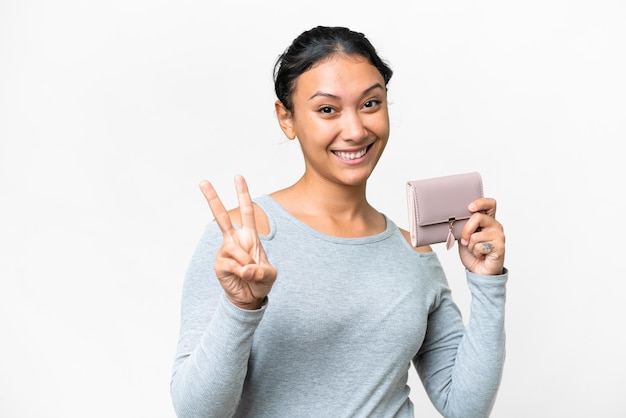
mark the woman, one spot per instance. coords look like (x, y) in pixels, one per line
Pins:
(308, 302)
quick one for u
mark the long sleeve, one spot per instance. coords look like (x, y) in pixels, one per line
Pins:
(461, 366)
(343, 321)
(214, 343)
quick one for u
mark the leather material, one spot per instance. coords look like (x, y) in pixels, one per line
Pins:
(438, 207)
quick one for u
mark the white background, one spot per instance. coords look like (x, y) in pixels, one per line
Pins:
(111, 112)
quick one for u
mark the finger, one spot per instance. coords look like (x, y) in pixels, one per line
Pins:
(217, 208)
(492, 251)
(486, 241)
(481, 227)
(484, 204)
(259, 272)
(472, 226)
(484, 247)
(231, 250)
(246, 210)
(230, 260)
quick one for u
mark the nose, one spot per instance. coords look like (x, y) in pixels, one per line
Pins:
(353, 127)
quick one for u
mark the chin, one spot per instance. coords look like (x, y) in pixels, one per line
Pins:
(357, 180)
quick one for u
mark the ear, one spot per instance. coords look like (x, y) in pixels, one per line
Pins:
(285, 119)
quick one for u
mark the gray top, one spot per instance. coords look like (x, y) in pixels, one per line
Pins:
(343, 321)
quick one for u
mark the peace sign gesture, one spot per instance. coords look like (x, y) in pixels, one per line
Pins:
(240, 264)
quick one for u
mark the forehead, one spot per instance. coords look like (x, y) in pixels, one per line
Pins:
(339, 73)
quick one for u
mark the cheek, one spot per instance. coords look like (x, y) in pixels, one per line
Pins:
(314, 128)
(303, 124)
(380, 127)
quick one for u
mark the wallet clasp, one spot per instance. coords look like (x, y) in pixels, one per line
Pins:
(450, 238)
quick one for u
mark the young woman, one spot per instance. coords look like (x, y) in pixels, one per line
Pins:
(308, 302)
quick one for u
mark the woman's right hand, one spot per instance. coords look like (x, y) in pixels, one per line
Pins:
(240, 264)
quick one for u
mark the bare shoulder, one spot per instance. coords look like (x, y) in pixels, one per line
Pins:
(260, 218)
(407, 236)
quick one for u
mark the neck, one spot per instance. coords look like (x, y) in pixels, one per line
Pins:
(330, 208)
(327, 198)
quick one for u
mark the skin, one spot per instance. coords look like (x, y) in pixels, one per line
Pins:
(340, 111)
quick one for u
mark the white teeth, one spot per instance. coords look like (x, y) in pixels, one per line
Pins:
(351, 155)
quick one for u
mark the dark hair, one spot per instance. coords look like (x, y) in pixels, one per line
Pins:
(315, 45)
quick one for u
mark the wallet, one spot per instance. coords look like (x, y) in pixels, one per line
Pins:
(438, 207)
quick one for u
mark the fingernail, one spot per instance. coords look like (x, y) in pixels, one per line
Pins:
(463, 242)
(472, 207)
(249, 274)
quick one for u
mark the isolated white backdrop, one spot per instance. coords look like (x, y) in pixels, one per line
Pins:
(111, 112)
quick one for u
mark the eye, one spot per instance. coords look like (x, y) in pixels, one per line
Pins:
(371, 103)
(327, 110)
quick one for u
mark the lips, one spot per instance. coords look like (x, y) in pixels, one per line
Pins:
(352, 155)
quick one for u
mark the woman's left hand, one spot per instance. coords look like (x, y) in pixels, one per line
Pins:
(482, 240)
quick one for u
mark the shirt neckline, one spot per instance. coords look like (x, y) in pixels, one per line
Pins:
(267, 201)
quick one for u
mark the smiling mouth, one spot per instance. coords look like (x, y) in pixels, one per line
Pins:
(352, 155)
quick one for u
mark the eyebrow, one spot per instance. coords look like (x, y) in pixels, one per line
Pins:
(332, 96)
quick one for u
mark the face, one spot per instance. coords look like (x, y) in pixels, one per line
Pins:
(340, 118)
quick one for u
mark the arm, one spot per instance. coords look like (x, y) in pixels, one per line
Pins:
(461, 367)
(223, 302)
(214, 343)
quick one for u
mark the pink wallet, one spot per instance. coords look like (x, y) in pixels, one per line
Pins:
(438, 207)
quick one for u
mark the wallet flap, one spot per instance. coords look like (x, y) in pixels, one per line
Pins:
(440, 199)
